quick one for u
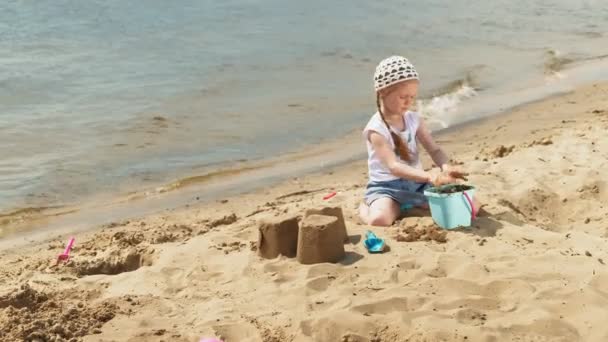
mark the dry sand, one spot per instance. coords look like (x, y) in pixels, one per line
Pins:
(533, 269)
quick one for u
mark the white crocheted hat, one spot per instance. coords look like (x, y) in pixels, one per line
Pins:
(393, 70)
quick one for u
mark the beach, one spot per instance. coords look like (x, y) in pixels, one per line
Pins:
(532, 268)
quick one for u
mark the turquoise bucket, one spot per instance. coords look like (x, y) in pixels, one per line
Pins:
(452, 210)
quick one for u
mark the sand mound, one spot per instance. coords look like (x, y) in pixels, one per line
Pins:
(419, 229)
(26, 297)
(540, 206)
(152, 235)
(30, 315)
(234, 246)
(225, 220)
(544, 142)
(502, 151)
(411, 234)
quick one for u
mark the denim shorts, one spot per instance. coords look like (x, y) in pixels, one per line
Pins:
(405, 192)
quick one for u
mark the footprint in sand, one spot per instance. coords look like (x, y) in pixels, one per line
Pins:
(482, 304)
(402, 270)
(599, 283)
(321, 283)
(592, 191)
(383, 307)
(354, 338)
(280, 270)
(509, 289)
(544, 329)
(174, 279)
(322, 269)
(437, 272)
(408, 265)
(237, 332)
(331, 305)
(471, 317)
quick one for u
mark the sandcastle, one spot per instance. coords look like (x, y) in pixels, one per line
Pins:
(321, 239)
(318, 238)
(331, 211)
(278, 237)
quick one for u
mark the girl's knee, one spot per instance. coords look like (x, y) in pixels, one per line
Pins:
(380, 220)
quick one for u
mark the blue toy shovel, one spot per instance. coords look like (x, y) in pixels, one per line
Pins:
(373, 243)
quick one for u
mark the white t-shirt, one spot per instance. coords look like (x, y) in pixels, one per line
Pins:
(377, 171)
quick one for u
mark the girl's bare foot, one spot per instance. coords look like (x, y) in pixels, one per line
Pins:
(363, 213)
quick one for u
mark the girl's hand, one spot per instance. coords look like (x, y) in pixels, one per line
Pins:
(439, 178)
(455, 172)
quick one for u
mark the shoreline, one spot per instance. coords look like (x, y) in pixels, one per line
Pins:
(171, 195)
(200, 189)
(32, 218)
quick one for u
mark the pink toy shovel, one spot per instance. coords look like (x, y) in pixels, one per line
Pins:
(330, 195)
(66, 252)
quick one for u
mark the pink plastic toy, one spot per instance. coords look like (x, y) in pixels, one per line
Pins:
(330, 195)
(66, 252)
(473, 210)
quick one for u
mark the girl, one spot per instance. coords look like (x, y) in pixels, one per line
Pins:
(396, 176)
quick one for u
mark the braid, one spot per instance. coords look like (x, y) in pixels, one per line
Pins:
(400, 148)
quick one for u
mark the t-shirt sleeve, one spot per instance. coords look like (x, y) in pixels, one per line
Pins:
(378, 126)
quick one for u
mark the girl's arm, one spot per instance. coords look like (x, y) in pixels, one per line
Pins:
(389, 159)
(426, 139)
(439, 157)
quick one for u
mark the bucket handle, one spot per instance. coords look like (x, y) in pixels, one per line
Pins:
(473, 210)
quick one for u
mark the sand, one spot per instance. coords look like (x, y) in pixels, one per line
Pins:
(532, 269)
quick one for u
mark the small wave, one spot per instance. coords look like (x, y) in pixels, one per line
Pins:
(438, 109)
(556, 66)
(31, 213)
(590, 34)
(469, 80)
(555, 62)
(594, 58)
(199, 179)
